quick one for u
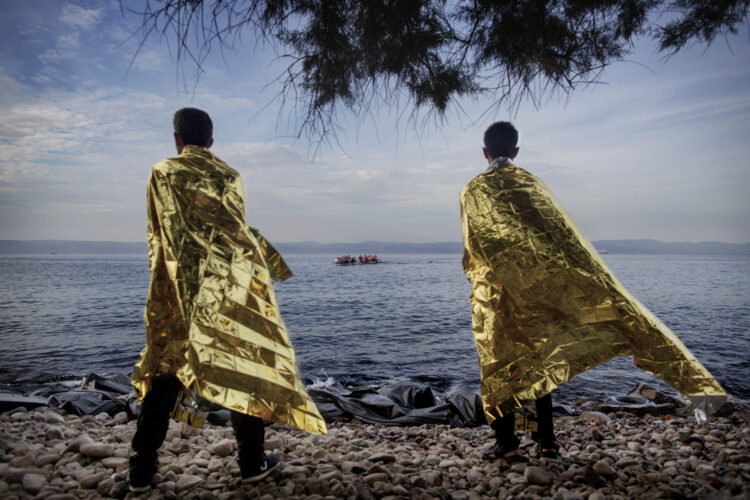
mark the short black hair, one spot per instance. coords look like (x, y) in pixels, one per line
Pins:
(500, 139)
(194, 126)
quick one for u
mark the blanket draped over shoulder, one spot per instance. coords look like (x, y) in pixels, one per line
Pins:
(211, 314)
(545, 307)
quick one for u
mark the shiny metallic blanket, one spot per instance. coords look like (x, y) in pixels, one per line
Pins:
(545, 307)
(211, 314)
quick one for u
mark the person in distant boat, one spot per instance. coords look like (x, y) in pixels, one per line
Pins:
(545, 307)
(213, 327)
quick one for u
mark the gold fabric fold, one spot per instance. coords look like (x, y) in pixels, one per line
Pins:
(211, 314)
(545, 307)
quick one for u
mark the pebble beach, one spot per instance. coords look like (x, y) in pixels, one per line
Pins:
(619, 455)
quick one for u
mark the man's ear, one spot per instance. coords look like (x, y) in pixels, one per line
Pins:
(178, 142)
(210, 143)
(515, 153)
(487, 155)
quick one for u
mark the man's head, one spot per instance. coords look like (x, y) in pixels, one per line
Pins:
(192, 126)
(500, 140)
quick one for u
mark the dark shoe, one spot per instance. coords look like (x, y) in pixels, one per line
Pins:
(549, 445)
(252, 473)
(507, 453)
(142, 471)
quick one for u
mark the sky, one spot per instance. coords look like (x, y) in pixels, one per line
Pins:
(659, 149)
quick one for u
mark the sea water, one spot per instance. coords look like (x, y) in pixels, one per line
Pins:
(407, 318)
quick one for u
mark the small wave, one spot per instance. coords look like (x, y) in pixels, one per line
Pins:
(320, 383)
(75, 382)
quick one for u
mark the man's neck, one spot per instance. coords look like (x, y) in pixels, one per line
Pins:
(499, 162)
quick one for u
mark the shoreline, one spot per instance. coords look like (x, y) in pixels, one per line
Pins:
(46, 454)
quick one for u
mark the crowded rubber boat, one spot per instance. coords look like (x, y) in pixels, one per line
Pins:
(346, 260)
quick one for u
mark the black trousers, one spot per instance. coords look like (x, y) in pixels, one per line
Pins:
(505, 427)
(153, 423)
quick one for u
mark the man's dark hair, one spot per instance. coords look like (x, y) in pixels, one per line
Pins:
(500, 139)
(194, 126)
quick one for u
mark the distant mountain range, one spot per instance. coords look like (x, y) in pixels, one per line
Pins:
(68, 247)
(661, 247)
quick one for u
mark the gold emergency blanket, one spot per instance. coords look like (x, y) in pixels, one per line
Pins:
(211, 313)
(545, 307)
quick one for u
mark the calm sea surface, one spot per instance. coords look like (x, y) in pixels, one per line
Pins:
(407, 318)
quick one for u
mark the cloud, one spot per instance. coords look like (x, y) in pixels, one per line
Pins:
(66, 47)
(58, 134)
(80, 17)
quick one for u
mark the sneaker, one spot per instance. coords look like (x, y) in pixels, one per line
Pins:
(252, 474)
(142, 471)
(549, 447)
(507, 453)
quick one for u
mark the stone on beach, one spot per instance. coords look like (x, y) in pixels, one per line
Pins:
(222, 448)
(90, 481)
(187, 481)
(120, 418)
(603, 468)
(538, 475)
(33, 483)
(75, 445)
(97, 450)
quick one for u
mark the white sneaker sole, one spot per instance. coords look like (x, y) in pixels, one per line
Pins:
(253, 479)
(139, 489)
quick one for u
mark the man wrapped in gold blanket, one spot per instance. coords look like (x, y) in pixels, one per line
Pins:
(545, 307)
(213, 328)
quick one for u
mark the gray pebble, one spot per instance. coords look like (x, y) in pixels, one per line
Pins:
(626, 462)
(538, 475)
(19, 417)
(598, 416)
(186, 481)
(26, 460)
(75, 445)
(178, 446)
(383, 457)
(603, 468)
(105, 486)
(316, 487)
(167, 486)
(705, 469)
(97, 450)
(222, 448)
(273, 444)
(33, 483)
(53, 418)
(92, 481)
(655, 477)
(47, 458)
(634, 446)
(375, 477)
(348, 465)
(53, 434)
(114, 462)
